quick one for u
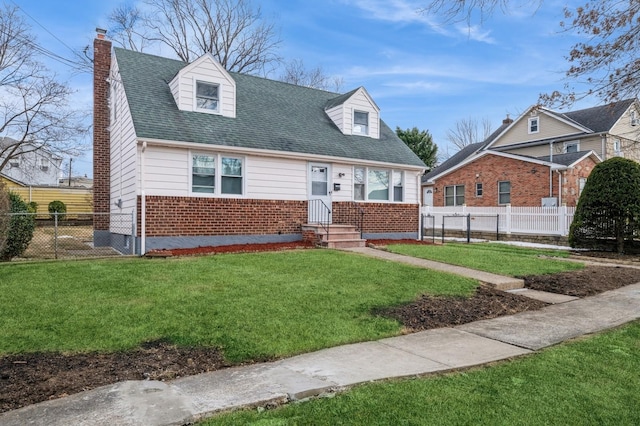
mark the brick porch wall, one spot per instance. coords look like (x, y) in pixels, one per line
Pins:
(193, 216)
(382, 217)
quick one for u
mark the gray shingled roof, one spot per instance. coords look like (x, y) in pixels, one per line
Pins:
(270, 115)
(564, 159)
(600, 118)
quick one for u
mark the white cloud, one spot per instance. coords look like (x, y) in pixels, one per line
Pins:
(476, 33)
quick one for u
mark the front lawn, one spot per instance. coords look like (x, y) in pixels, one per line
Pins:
(499, 259)
(252, 306)
(588, 382)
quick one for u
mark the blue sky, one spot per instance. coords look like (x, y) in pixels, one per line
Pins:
(419, 71)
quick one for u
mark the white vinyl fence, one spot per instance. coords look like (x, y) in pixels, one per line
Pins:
(506, 219)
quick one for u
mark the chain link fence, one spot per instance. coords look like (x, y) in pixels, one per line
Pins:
(71, 235)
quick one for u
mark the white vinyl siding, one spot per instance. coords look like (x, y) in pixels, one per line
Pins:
(342, 115)
(548, 127)
(593, 143)
(166, 171)
(124, 152)
(205, 70)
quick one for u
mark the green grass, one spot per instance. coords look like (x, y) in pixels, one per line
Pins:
(589, 382)
(490, 257)
(253, 306)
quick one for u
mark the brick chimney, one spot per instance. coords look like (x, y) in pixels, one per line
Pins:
(507, 120)
(101, 140)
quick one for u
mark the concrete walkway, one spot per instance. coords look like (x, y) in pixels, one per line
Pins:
(191, 398)
(498, 281)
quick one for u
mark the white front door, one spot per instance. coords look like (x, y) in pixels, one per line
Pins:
(427, 196)
(319, 193)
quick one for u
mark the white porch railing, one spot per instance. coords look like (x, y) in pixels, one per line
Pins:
(522, 220)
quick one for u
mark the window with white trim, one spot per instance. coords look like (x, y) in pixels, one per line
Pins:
(478, 189)
(228, 181)
(398, 186)
(454, 195)
(359, 183)
(504, 192)
(372, 184)
(534, 125)
(617, 148)
(360, 123)
(207, 97)
(573, 146)
(581, 183)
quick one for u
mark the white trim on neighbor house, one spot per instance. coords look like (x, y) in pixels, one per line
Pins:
(533, 125)
(567, 144)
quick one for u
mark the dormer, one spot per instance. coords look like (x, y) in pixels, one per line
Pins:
(355, 113)
(205, 86)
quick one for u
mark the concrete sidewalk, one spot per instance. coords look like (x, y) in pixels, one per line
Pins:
(191, 398)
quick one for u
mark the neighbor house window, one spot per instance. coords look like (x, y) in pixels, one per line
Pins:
(454, 195)
(378, 185)
(358, 183)
(534, 125)
(397, 186)
(478, 189)
(227, 181)
(203, 173)
(43, 163)
(504, 192)
(617, 148)
(571, 147)
(581, 183)
(360, 123)
(207, 96)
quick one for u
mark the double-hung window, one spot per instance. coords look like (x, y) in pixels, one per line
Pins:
(534, 125)
(454, 195)
(217, 174)
(207, 96)
(504, 192)
(371, 184)
(203, 173)
(478, 189)
(360, 123)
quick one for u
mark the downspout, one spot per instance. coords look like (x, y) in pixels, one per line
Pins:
(143, 207)
(603, 140)
(419, 194)
(559, 188)
(551, 169)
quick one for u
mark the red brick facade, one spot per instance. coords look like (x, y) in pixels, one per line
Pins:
(382, 217)
(101, 139)
(530, 181)
(200, 216)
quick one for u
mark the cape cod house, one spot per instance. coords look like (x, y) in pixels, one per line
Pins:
(543, 158)
(208, 157)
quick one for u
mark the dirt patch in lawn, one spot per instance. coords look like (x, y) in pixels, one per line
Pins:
(31, 378)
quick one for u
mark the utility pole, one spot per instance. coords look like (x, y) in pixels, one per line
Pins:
(70, 160)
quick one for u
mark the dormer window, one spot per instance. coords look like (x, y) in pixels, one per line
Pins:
(360, 123)
(207, 97)
(534, 125)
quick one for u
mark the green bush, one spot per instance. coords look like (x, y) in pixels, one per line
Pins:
(608, 211)
(20, 230)
(57, 206)
(33, 207)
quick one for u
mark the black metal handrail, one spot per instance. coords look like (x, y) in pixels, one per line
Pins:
(321, 213)
(355, 216)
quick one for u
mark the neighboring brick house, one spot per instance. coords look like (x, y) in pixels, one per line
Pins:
(543, 158)
(208, 157)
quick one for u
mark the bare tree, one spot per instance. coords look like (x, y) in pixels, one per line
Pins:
(233, 31)
(607, 59)
(127, 28)
(296, 73)
(34, 110)
(467, 131)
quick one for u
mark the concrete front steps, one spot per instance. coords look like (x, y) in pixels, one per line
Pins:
(339, 236)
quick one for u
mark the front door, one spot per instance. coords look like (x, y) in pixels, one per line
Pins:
(319, 193)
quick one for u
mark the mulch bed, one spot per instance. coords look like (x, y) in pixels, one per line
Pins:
(31, 378)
